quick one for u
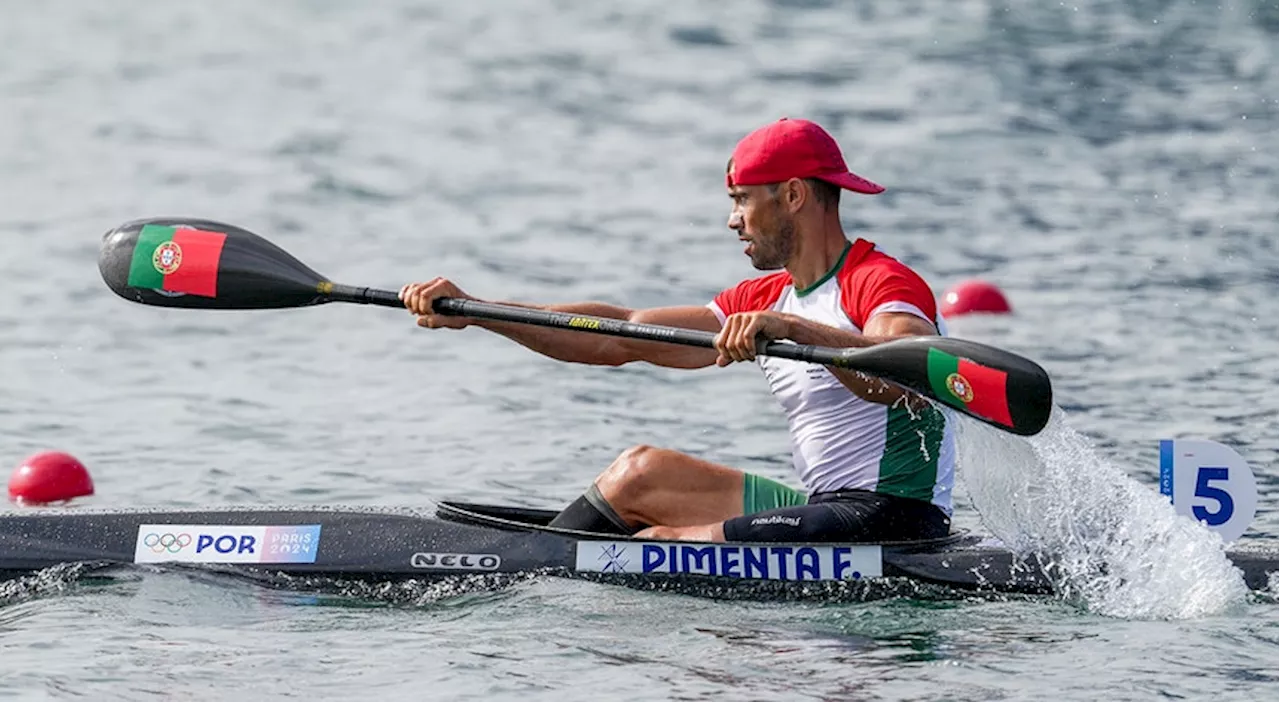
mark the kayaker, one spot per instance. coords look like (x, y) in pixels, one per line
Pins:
(876, 462)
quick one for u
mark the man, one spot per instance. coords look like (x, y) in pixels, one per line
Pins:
(877, 462)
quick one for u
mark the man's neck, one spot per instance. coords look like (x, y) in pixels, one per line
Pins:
(815, 256)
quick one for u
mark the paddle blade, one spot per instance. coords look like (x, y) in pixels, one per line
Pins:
(998, 387)
(179, 262)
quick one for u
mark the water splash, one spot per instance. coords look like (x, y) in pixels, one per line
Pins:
(57, 579)
(1114, 546)
(1270, 595)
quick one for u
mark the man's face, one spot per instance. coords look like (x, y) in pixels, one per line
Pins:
(760, 220)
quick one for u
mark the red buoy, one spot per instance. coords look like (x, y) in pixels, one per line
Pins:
(49, 476)
(972, 296)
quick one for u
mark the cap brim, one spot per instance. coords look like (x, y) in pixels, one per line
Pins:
(850, 181)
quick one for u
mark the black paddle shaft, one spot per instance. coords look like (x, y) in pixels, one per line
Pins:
(840, 358)
(904, 361)
(586, 323)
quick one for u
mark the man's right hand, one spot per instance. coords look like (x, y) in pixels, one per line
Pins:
(418, 298)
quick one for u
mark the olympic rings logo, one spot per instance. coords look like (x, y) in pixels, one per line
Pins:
(173, 543)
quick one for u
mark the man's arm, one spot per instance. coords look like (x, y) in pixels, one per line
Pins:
(598, 349)
(883, 327)
(737, 343)
(576, 346)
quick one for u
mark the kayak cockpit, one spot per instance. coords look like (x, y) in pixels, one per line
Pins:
(529, 519)
(497, 516)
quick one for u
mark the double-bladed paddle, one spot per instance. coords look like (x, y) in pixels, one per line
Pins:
(196, 263)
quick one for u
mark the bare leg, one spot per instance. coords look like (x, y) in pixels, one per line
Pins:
(702, 532)
(666, 488)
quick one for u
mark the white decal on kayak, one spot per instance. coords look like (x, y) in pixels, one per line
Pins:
(226, 543)
(754, 562)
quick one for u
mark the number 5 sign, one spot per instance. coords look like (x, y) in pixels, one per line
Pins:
(1210, 483)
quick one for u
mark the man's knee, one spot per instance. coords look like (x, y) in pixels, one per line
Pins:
(634, 472)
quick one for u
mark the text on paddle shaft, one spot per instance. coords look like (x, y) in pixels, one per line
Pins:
(584, 323)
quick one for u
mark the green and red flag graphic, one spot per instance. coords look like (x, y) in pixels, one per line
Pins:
(975, 387)
(177, 259)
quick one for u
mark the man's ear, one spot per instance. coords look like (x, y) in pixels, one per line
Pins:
(795, 194)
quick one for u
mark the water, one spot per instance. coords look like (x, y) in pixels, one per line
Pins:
(1116, 547)
(1112, 165)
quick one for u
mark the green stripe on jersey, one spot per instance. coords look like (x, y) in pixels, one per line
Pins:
(913, 441)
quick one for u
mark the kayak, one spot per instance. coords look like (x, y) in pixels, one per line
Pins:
(468, 539)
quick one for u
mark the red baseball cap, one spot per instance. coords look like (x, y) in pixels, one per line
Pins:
(793, 148)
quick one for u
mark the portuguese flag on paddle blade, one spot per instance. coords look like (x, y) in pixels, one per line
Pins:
(975, 387)
(176, 259)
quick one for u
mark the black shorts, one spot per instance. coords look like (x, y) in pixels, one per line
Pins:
(848, 515)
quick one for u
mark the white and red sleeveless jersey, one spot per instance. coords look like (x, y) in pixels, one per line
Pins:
(840, 441)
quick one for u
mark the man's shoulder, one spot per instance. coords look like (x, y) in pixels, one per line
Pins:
(771, 281)
(876, 282)
(874, 263)
(754, 293)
